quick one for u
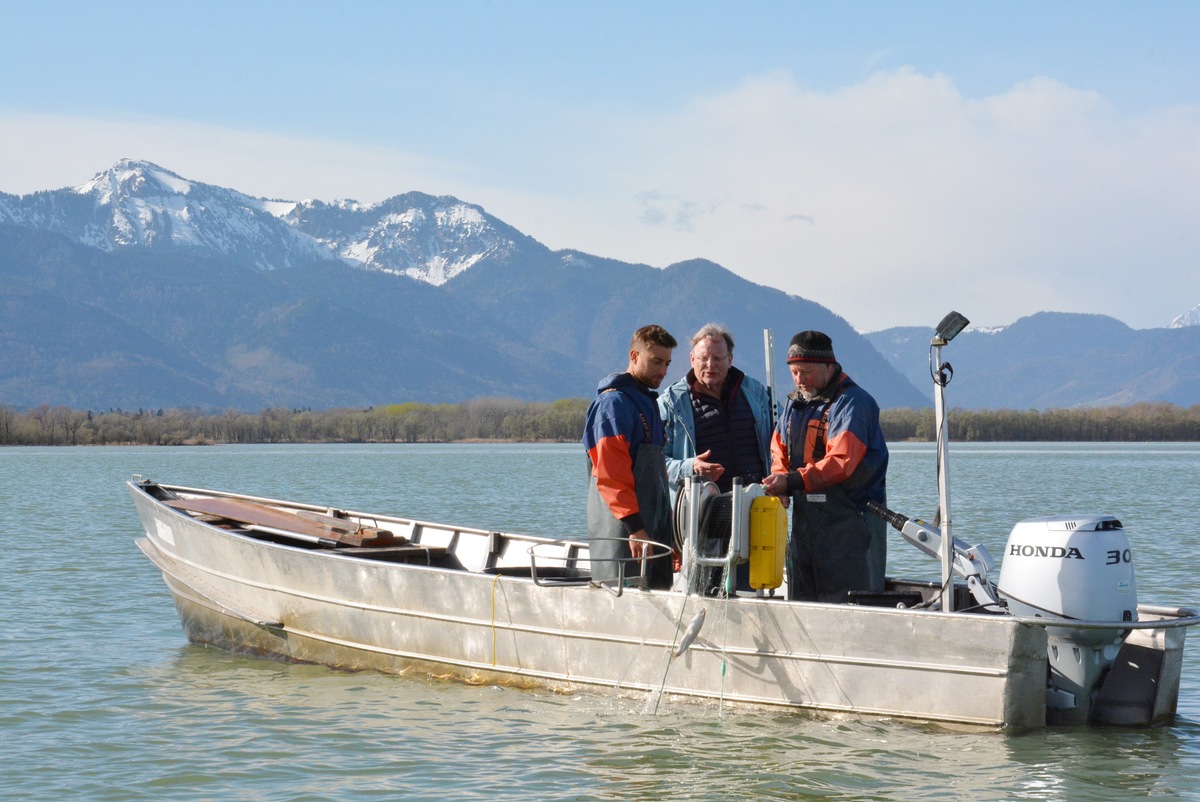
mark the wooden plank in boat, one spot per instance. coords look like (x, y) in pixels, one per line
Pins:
(343, 531)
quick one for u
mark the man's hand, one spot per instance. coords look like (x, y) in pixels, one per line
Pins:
(709, 470)
(776, 485)
(639, 545)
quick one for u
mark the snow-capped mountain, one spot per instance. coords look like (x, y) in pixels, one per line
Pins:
(430, 239)
(1188, 318)
(143, 288)
(137, 204)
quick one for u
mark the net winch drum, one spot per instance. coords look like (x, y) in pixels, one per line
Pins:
(762, 530)
(682, 517)
(1072, 568)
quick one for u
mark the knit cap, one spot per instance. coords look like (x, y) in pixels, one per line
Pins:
(810, 346)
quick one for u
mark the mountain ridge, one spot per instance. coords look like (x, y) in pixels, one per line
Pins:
(227, 300)
(1055, 360)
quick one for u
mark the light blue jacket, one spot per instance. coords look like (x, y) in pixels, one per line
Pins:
(675, 407)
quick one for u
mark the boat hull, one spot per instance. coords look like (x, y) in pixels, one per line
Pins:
(339, 609)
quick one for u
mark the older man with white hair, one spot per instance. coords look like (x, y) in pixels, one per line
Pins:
(718, 420)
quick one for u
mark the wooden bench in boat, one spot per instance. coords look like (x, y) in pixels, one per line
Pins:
(325, 530)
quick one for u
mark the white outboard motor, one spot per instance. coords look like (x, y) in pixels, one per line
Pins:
(1072, 568)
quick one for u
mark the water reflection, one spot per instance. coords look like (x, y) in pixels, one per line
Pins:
(412, 735)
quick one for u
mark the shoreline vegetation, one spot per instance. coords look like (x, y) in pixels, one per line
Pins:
(506, 420)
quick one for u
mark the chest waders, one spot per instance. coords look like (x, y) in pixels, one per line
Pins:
(834, 547)
(607, 539)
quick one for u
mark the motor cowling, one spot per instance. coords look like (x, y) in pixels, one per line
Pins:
(1072, 568)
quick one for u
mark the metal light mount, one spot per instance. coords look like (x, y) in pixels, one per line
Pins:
(950, 327)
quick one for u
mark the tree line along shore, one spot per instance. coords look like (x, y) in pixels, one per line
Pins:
(494, 419)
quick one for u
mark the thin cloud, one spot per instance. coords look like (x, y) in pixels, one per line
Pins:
(913, 197)
(1040, 197)
(800, 218)
(70, 149)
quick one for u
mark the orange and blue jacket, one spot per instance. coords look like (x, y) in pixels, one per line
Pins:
(623, 415)
(845, 448)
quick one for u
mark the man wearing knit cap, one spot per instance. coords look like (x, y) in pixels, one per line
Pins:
(829, 455)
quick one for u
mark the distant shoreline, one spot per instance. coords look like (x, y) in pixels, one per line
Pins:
(492, 420)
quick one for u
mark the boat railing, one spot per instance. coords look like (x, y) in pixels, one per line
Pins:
(657, 551)
(1164, 618)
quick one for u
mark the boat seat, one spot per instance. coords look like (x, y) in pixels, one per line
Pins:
(410, 553)
(548, 575)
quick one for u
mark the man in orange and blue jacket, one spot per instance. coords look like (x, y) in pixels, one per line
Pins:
(628, 501)
(829, 456)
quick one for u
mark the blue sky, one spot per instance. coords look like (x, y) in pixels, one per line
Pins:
(888, 160)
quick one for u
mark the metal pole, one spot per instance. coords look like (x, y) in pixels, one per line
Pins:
(736, 533)
(943, 455)
(769, 355)
(691, 559)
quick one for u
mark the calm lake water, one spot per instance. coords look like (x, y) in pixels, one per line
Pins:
(101, 697)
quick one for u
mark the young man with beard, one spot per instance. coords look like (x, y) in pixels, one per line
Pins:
(829, 455)
(628, 501)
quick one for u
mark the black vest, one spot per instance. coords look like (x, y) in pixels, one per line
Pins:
(726, 427)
